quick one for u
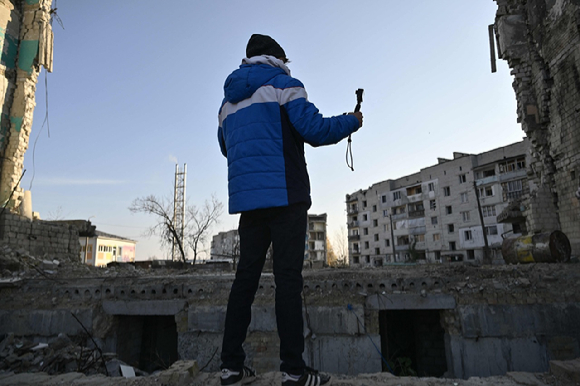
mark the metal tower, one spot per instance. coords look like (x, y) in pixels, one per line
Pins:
(179, 210)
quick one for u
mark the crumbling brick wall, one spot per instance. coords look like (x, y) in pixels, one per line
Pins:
(26, 37)
(540, 40)
(42, 239)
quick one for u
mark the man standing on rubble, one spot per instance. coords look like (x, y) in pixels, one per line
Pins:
(264, 121)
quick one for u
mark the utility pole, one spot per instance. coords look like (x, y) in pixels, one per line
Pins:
(178, 211)
(486, 257)
(392, 238)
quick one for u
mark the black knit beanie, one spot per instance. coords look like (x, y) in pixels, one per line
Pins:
(264, 45)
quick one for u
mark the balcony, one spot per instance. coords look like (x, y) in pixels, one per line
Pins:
(487, 180)
(353, 224)
(354, 238)
(417, 213)
(354, 251)
(352, 211)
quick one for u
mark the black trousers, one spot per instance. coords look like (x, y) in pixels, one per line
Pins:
(285, 228)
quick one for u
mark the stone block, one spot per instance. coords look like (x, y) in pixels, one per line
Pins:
(344, 354)
(206, 318)
(181, 373)
(143, 307)
(334, 320)
(569, 369)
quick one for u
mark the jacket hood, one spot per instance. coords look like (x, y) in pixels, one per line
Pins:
(252, 74)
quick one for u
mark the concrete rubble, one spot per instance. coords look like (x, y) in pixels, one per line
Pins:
(73, 360)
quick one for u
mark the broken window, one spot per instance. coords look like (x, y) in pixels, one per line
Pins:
(450, 228)
(387, 243)
(436, 236)
(491, 230)
(452, 246)
(512, 165)
(462, 178)
(375, 223)
(434, 220)
(420, 238)
(356, 260)
(465, 216)
(403, 240)
(470, 254)
(431, 187)
(383, 199)
(365, 231)
(399, 210)
(448, 210)
(468, 235)
(396, 195)
(367, 245)
(367, 259)
(374, 208)
(513, 189)
(447, 191)
(364, 204)
(488, 210)
(377, 251)
(385, 213)
(414, 190)
(432, 204)
(376, 237)
(486, 191)
(365, 217)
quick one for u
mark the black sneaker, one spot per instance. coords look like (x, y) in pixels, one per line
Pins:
(236, 378)
(310, 377)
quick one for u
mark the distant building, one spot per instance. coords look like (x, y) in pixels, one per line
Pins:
(433, 215)
(315, 248)
(104, 248)
(225, 246)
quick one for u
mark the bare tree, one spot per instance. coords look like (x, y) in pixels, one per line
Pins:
(201, 220)
(340, 246)
(56, 215)
(197, 222)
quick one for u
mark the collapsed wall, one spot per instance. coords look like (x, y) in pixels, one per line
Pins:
(454, 320)
(540, 40)
(26, 39)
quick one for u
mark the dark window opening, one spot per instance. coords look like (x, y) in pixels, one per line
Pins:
(147, 342)
(413, 342)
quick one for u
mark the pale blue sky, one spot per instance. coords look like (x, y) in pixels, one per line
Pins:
(137, 85)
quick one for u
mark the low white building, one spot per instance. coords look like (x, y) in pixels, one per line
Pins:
(102, 248)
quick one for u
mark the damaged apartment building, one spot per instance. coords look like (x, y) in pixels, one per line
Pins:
(540, 41)
(445, 212)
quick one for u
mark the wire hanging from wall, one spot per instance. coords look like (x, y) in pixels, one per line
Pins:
(53, 16)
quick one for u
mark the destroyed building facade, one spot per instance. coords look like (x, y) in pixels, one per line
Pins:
(540, 40)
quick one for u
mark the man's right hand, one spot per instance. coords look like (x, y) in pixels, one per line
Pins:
(358, 116)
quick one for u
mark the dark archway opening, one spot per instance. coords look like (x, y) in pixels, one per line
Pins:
(148, 343)
(413, 342)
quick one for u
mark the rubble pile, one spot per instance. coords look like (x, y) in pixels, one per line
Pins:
(59, 356)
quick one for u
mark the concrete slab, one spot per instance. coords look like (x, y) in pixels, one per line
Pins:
(410, 302)
(527, 379)
(570, 369)
(143, 307)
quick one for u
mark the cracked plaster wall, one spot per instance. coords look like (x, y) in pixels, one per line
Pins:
(540, 40)
(26, 40)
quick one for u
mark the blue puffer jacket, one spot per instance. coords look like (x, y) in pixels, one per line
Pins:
(264, 120)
